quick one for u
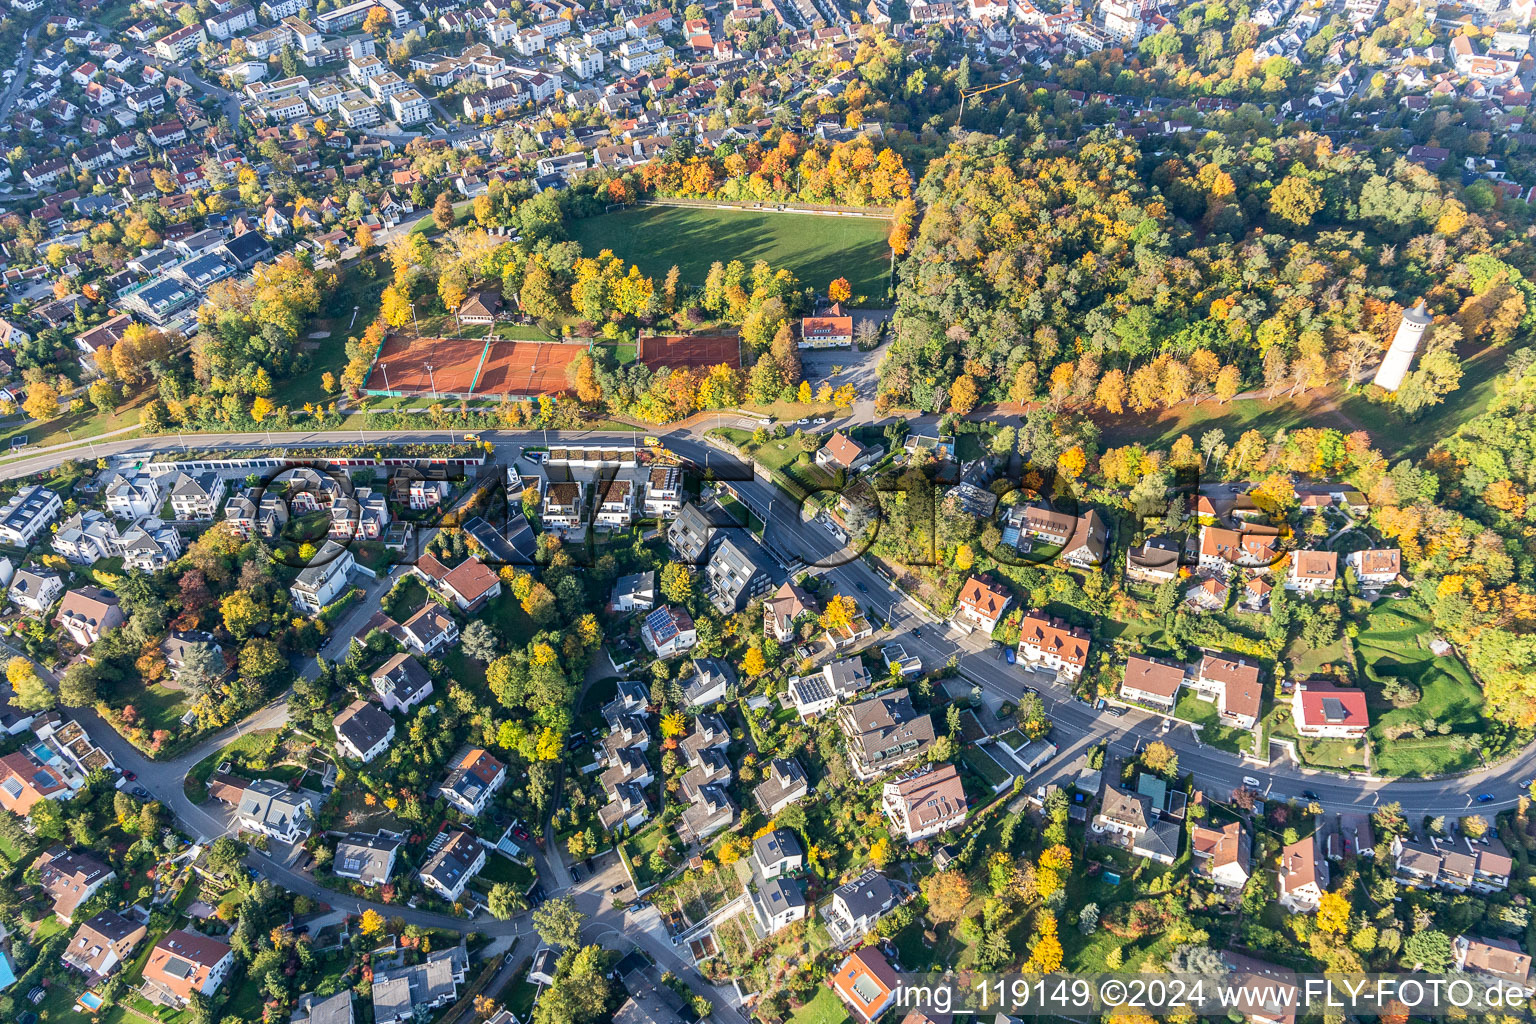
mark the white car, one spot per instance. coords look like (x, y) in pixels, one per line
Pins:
(1251, 782)
(802, 423)
(819, 421)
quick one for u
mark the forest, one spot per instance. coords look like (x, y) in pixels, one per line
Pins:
(1127, 280)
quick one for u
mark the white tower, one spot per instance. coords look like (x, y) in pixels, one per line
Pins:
(1405, 345)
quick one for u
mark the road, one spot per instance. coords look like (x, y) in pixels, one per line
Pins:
(23, 67)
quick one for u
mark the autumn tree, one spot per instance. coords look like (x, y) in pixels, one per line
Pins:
(442, 208)
(364, 237)
(947, 893)
(1333, 913)
(42, 401)
(963, 394)
(839, 290)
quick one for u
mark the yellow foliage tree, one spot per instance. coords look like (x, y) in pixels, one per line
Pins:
(963, 394)
(805, 395)
(754, 662)
(1333, 913)
(880, 852)
(261, 408)
(373, 922)
(964, 557)
(840, 611)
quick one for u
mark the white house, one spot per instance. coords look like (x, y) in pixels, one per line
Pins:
(925, 802)
(35, 592)
(27, 515)
(363, 731)
(324, 579)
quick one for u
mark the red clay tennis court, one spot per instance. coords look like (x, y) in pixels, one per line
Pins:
(466, 367)
(526, 368)
(680, 351)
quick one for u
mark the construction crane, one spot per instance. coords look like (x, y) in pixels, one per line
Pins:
(966, 94)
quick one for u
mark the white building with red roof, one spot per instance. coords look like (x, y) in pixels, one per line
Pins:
(1324, 711)
(981, 605)
(925, 803)
(1051, 643)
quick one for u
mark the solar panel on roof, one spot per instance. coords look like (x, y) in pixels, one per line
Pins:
(1333, 709)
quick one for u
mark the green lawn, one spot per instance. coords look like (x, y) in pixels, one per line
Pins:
(1341, 754)
(329, 355)
(638, 848)
(501, 869)
(196, 782)
(1204, 714)
(826, 1008)
(816, 249)
(1389, 646)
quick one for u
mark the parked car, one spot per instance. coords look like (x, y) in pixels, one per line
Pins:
(615, 890)
(1008, 653)
(1484, 798)
(819, 420)
(1252, 783)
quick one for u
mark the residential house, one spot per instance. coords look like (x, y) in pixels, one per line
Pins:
(1085, 548)
(324, 580)
(668, 632)
(24, 781)
(857, 906)
(401, 683)
(430, 629)
(981, 605)
(28, 514)
(87, 613)
(866, 983)
(134, 497)
(819, 692)
(664, 492)
(184, 962)
(403, 994)
(35, 592)
(781, 611)
(634, 593)
(70, 879)
(363, 731)
(1322, 710)
(1312, 571)
(690, 535)
(149, 545)
(1152, 682)
(271, 808)
(1132, 816)
(102, 943)
(197, 496)
(712, 678)
(842, 452)
(1497, 959)
(1155, 562)
(775, 895)
(1048, 642)
(616, 503)
(1222, 549)
(1233, 683)
(86, 537)
(565, 506)
(256, 513)
(1303, 874)
(312, 1009)
(1377, 567)
(367, 858)
(1224, 855)
(470, 585)
(783, 783)
(925, 802)
(737, 573)
(472, 781)
(884, 733)
(448, 870)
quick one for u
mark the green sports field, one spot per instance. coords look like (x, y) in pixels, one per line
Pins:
(817, 249)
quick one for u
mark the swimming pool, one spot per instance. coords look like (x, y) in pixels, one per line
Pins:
(90, 1000)
(1111, 878)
